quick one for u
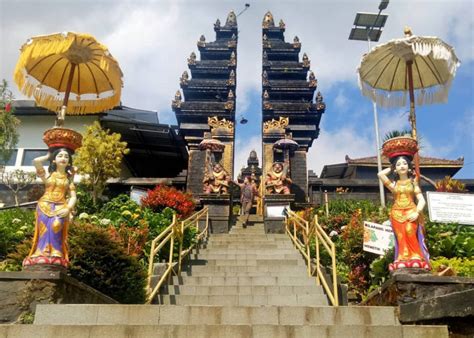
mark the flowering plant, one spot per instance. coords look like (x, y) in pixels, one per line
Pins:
(162, 197)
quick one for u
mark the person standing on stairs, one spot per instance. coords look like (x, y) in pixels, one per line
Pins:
(247, 193)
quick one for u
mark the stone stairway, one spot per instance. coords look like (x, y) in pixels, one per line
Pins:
(243, 284)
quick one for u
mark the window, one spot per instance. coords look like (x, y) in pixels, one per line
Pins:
(10, 161)
(30, 154)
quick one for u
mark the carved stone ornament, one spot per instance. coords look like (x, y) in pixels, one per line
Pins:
(296, 42)
(276, 125)
(231, 80)
(184, 80)
(232, 43)
(217, 25)
(192, 59)
(306, 61)
(265, 56)
(267, 105)
(202, 41)
(231, 20)
(268, 21)
(215, 123)
(176, 103)
(282, 24)
(266, 42)
(312, 80)
(229, 105)
(266, 96)
(233, 60)
(320, 105)
(265, 78)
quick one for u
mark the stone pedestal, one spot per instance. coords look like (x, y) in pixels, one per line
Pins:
(219, 212)
(427, 299)
(20, 292)
(274, 218)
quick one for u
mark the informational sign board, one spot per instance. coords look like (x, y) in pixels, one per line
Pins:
(277, 211)
(378, 238)
(136, 195)
(447, 207)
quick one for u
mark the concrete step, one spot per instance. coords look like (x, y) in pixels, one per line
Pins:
(249, 237)
(243, 300)
(208, 255)
(241, 281)
(297, 270)
(254, 252)
(95, 314)
(205, 290)
(247, 262)
(205, 273)
(248, 246)
(211, 331)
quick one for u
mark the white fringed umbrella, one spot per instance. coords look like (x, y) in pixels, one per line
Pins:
(422, 67)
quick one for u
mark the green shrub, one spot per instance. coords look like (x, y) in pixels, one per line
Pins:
(85, 203)
(450, 240)
(102, 263)
(15, 225)
(463, 267)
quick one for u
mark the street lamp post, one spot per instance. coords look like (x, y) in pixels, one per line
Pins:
(368, 27)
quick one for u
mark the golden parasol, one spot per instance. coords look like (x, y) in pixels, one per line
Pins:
(415, 65)
(52, 67)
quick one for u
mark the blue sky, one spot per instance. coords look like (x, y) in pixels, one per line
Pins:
(152, 39)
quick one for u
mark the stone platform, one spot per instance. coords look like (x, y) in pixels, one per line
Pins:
(20, 292)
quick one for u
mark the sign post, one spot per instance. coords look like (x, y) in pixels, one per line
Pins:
(378, 238)
(451, 208)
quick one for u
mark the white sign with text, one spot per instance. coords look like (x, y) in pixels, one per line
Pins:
(447, 207)
(378, 238)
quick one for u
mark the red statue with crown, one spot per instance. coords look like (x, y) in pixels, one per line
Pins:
(406, 213)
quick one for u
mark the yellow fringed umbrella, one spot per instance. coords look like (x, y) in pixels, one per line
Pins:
(69, 72)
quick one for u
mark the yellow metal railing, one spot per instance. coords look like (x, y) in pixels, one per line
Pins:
(175, 232)
(301, 232)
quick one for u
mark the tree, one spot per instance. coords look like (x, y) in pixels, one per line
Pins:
(17, 180)
(8, 123)
(99, 158)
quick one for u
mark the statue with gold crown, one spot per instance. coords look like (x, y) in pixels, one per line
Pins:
(216, 180)
(53, 212)
(406, 214)
(277, 181)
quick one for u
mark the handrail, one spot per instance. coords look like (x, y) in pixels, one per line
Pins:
(175, 231)
(301, 232)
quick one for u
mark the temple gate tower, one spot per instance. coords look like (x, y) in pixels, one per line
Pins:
(205, 105)
(291, 112)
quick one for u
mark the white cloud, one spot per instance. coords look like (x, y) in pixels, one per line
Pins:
(332, 147)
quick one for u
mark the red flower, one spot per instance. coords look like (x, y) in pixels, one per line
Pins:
(163, 196)
(8, 107)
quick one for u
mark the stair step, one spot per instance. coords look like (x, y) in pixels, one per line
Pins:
(242, 300)
(204, 273)
(255, 281)
(226, 315)
(210, 331)
(246, 262)
(298, 270)
(245, 256)
(214, 290)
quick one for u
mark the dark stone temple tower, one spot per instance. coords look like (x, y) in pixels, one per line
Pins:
(207, 102)
(290, 110)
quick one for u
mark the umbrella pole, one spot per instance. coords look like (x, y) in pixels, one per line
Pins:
(413, 115)
(62, 114)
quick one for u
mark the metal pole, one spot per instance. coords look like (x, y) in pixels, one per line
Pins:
(377, 137)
